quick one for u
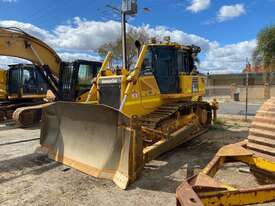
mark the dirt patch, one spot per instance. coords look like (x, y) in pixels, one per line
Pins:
(28, 177)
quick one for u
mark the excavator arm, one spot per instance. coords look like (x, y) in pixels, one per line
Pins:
(16, 43)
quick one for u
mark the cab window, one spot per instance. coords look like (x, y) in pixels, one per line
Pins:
(185, 62)
(29, 83)
(146, 68)
(85, 75)
(180, 62)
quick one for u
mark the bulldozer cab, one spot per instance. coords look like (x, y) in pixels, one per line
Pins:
(166, 63)
(24, 81)
(76, 78)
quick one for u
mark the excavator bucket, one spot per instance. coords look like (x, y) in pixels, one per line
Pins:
(95, 139)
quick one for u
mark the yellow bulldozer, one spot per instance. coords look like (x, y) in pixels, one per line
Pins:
(23, 87)
(130, 116)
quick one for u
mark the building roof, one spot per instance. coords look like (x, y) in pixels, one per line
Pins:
(253, 69)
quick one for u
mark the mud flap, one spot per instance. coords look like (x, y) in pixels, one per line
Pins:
(95, 139)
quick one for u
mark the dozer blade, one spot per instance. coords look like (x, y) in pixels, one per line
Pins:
(95, 139)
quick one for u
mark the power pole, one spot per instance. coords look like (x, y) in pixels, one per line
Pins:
(246, 90)
(124, 40)
(128, 7)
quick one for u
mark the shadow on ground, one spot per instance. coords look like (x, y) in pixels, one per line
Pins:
(34, 164)
(168, 171)
(11, 126)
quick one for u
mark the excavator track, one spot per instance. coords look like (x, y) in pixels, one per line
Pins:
(7, 109)
(29, 115)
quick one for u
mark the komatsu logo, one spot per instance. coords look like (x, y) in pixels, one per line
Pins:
(110, 81)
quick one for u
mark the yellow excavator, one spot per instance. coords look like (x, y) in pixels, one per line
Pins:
(130, 116)
(21, 85)
(24, 86)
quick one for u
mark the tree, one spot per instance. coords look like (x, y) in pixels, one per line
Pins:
(116, 47)
(264, 54)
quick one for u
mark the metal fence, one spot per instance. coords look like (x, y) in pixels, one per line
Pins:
(255, 92)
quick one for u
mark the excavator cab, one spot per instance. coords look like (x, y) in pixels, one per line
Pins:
(76, 78)
(25, 82)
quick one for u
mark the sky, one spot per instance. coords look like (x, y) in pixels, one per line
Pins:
(225, 30)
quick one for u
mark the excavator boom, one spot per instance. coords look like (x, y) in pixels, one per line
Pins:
(15, 42)
(68, 81)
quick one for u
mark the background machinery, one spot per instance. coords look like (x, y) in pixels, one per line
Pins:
(24, 86)
(130, 116)
(21, 85)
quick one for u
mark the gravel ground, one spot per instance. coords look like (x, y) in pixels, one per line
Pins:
(28, 177)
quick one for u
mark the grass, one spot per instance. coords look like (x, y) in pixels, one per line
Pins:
(218, 124)
(219, 121)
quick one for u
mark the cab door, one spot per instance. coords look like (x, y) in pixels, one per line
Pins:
(165, 70)
(15, 82)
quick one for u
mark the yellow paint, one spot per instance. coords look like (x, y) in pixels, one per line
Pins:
(239, 198)
(92, 94)
(149, 97)
(258, 162)
(233, 196)
(29, 96)
(140, 95)
(3, 84)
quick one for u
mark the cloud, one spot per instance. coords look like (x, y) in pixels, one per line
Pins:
(5, 61)
(69, 56)
(9, 1)
(229, 58)
(85, 35)
(198, 5)
(81, 38)
(29, 28)
(178, 36)
(228, 12)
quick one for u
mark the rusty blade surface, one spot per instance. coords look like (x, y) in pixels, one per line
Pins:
(261, 137)
(186, 196)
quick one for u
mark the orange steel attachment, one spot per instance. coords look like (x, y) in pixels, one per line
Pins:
(261, 139)
(257, 152)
